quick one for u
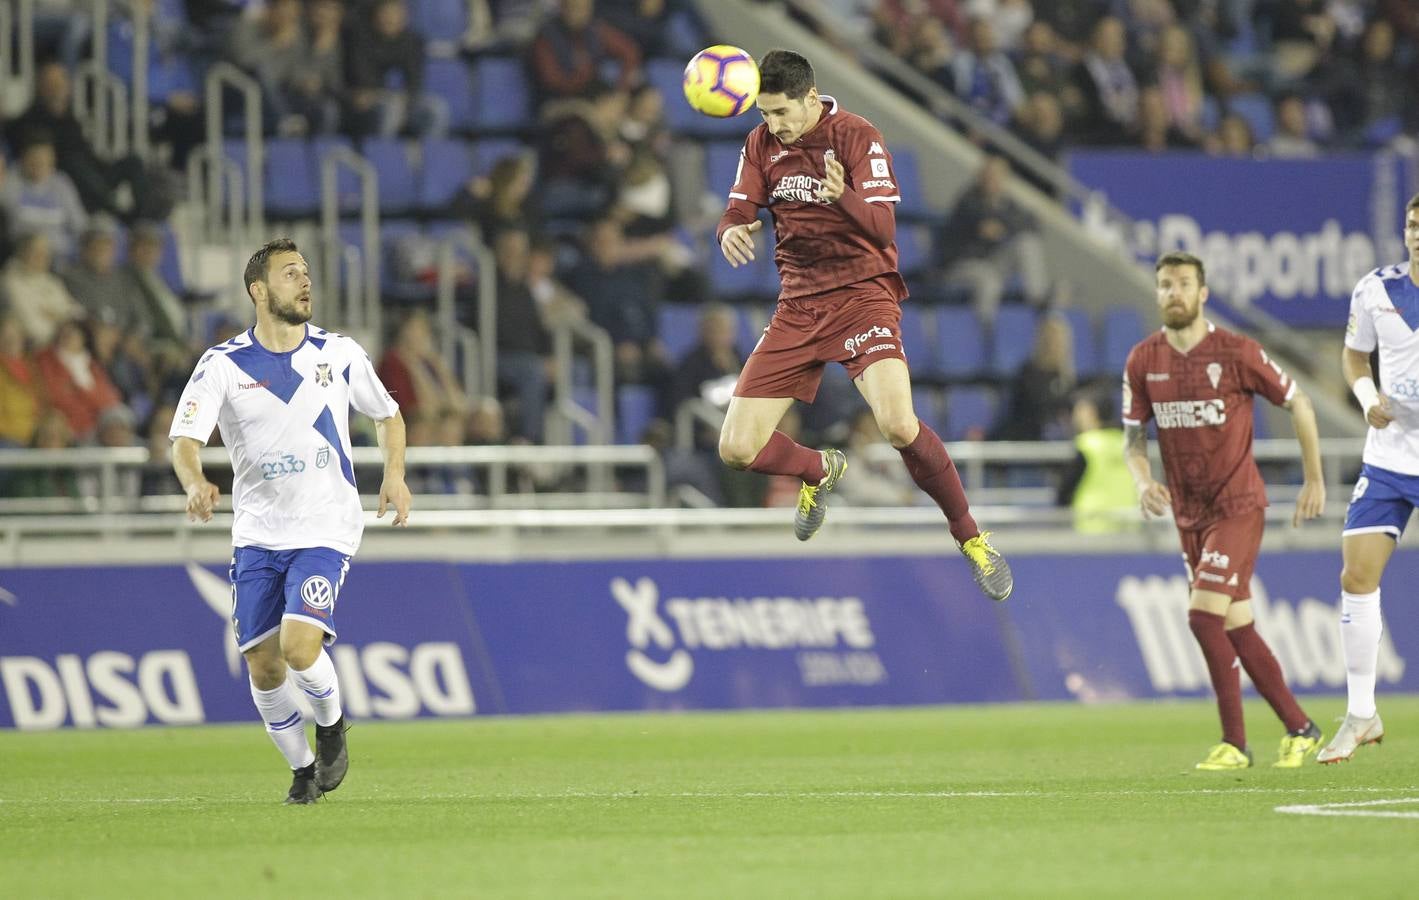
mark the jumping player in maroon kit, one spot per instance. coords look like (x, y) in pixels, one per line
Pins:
(826, 177)
(1197, 382)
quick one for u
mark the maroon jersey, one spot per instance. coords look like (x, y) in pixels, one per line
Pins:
(1202, 404)
(819, 248)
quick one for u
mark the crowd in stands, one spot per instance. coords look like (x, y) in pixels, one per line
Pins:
(588, 217)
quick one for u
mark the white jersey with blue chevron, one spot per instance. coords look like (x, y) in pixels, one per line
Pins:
(1384, 313)
(285, 419)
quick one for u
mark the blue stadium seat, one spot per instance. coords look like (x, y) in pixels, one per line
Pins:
(442, 21)
(1123, 327)
(666, 76)
(960, 343)
(347, 184)
(451, 80)
(909, 184)
(970, 412)
(503, 97)
(1086, 346)
(913, 250)
(928, 406)
(1257, 109)
(635, 407)
(1014, 338)
(751, 328)
(447, 166)
(171, 266)
(678, 328)
(398, 185)
(721, 164)
(292, 184)
(918, 340)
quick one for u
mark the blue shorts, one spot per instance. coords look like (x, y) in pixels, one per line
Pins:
(271, 585)
(1382, 502)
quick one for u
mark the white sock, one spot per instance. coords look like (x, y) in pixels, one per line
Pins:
(1360, 628)
(323, 688)
(284, 723)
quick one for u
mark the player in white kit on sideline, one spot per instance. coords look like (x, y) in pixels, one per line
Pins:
(1384, 314)
(281, 393)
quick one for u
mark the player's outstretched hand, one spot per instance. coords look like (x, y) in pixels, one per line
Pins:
(1309, 503)
(395, 491)
(834, 181)
(1378, 415)
(1154, 500)
(201, 501)
(737, 245)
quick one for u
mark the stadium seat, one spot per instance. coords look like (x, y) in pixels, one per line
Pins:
(970, 412)
(919, 340)
(909, 184)
(451, 80)
(960, 343)
(1257, 109)
(927, 404)
(666, 75)
(398, 185)
(730, 282)
(1123, 327)
(503, 98)
(1014, 338)
(292, 184)
(678, 328)
(1086, 346)
(635, 407)
(751, 328)
(721, 164)
(913, 250)
(347, 183)
(447, 166)
(441, 22)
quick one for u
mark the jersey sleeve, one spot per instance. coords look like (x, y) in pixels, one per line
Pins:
(1263, 375)
(367, 392)
(1360, 329)
(201, 400)
(1134, 404)
(750, 185)
(869, 166)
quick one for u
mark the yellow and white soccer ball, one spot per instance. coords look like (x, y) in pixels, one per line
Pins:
(721, 81)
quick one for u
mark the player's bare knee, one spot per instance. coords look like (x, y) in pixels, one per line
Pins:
(1359, 579)
(267, 671)
(300, 654)
(899, 431)
(736, 452)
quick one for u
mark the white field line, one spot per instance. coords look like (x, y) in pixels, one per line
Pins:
(384, 796)
(1359, 808)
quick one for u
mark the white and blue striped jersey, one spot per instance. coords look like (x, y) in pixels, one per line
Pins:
(1384, 313)
(285, 419)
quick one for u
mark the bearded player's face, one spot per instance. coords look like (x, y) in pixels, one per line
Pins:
(1180, 295)
(788, 119)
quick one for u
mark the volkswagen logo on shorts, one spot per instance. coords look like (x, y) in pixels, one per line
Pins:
(317, 592)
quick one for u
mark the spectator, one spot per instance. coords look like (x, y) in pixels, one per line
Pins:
(1233, 138)
(709, 369)
(1156, 132)
(321, 81)
(985, 77)
(874, 482)
(163, 311)
(622, 297)
(1042, 126)
(1072, 22)
(582, 154)
(1291, 140)
(1042, 68)
(36, 296)
(385, 72)
(52, 432)
(1010, 19)
(78, 386)
(6, 229)
(158, 476)
(930, 53)
(502, 199)
(1108, 87)
(1039, 394)
(643, 128)
(121, 187)
(43, 199)
(1179, 83)
(899, 21)
(557, 304)
(1098, 486)
(525, 364)
(1301, 32)
(416, 374)
(95, 281)
(21, 389)
(988, 238)
(124, 357)
(175, 114)
(1372, 98)
(272, 46)
(571, 53)
(647, 23)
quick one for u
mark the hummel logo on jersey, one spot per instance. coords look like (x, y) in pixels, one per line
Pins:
(875, 148)
(248, 385)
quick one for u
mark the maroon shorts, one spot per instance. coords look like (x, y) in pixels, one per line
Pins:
(1221, 556)
(853, 328)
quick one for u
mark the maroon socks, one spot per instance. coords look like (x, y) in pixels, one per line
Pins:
(1265, 672)
(933, 471)
(781, 456)
(1210, 630)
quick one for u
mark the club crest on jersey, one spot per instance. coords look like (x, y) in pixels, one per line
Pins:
(322, 374)
(1214, 374)
(322, 457)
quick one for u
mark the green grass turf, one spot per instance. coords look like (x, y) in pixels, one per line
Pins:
(1059, 800)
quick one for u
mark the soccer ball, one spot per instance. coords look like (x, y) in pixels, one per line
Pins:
(721, 81)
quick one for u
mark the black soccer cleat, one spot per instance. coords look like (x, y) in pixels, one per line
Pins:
(331, 759)
(303, 787)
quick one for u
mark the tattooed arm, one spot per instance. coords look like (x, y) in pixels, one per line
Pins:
(1153, 498)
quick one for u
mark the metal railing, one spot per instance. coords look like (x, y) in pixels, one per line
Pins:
(222, 76)
(354, 285)
(598, 425)
(478, 346)
(16, 51)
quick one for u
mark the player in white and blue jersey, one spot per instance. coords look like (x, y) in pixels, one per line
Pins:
(1384, 314)
(280, 393)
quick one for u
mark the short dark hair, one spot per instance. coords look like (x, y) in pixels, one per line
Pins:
(257, 266)
(1412, 204)
(1182, 258)
(785, 72)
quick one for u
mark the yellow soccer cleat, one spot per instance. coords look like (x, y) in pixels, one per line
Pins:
(1225, 757)
(988, 567)
(808, 518)
(1296, 747)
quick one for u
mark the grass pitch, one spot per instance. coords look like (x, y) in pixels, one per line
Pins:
(1064, 801)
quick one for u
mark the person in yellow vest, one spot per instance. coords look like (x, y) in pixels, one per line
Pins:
(1099, 488)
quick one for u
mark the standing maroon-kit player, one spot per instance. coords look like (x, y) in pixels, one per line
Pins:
(1197, 382)
(826, 176)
